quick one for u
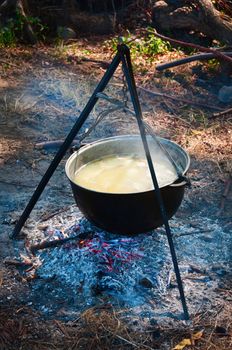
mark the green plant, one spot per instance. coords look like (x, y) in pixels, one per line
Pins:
(7, 35)
(147, 46)
(13, 31)
(38, 27)
(213, 65)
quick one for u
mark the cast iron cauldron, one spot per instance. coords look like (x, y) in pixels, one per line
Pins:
(127, 213)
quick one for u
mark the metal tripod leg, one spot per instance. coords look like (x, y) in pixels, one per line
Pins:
(128, 71)
(123, 56)
(66, 144)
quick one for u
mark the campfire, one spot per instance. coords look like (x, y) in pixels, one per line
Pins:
(80, 266)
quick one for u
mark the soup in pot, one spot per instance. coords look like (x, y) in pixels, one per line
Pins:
(122, 174)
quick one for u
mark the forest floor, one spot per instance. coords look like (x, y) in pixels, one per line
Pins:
(42, 91)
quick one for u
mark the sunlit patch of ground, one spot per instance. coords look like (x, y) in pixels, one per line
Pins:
(8, 148)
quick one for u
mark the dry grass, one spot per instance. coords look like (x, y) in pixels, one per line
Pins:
(105, 329)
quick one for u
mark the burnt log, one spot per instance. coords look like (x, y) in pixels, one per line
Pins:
(195, 15)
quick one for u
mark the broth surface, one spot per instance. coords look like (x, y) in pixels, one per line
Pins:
(122, 174)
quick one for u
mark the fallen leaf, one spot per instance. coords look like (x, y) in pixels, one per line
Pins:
(185, 342)
(182, 344)
(196, 132)
(198, 335)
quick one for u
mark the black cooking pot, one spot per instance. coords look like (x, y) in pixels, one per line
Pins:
(127, 213)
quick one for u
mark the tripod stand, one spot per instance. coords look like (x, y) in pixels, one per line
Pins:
(122, 56)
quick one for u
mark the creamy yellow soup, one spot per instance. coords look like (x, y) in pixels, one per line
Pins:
(121, 174)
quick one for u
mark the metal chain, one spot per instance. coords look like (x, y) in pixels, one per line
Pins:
(149, 130)
(119, 105)
(124, 91)
(99, 118)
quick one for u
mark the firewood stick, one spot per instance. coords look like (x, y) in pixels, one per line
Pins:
(56, 243)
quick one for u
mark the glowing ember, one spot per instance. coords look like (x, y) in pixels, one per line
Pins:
(112, 254)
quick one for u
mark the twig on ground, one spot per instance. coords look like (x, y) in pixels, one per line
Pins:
(220, 114)
(48, 216)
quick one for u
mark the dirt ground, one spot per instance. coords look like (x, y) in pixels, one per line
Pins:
(42, 91)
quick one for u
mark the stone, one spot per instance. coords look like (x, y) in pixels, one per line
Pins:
(225, 94)
(66, 33)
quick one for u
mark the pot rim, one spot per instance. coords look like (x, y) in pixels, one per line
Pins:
(119, 137)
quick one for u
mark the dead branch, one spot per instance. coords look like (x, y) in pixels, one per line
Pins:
(194, 46)
(179, 99)
(199, 57)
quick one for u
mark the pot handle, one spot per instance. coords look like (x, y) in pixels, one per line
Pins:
(77, 147)
(182, 181)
